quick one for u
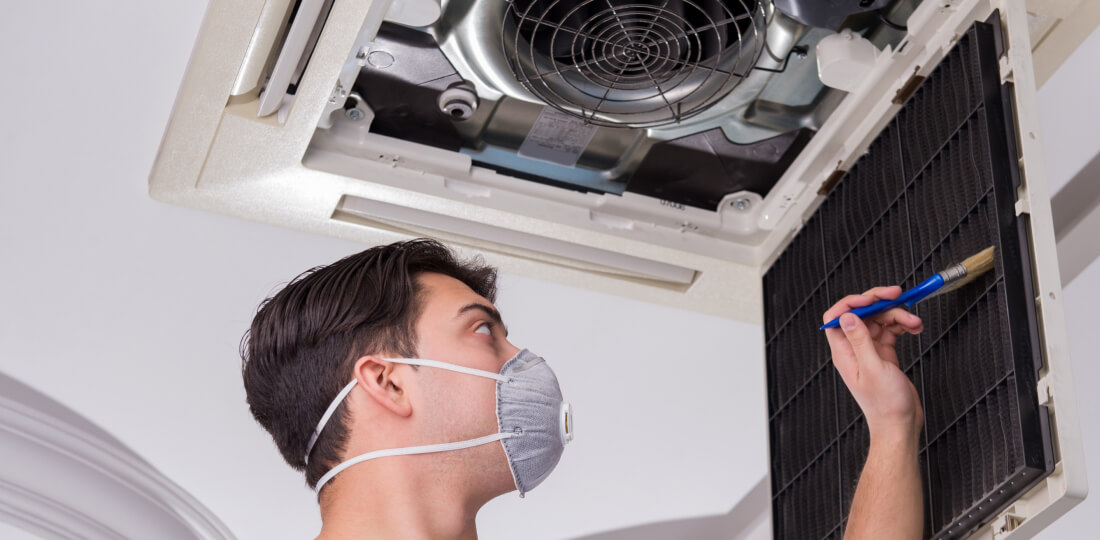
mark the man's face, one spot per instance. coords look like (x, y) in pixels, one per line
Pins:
(460, 327)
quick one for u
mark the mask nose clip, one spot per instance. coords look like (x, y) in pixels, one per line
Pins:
(566, 423)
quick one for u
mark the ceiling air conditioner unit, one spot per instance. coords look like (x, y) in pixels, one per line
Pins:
(749, 159)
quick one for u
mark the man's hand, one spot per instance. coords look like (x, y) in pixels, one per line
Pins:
(863, 353)
(888, 501)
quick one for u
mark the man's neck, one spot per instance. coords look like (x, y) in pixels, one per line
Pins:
(390, 500)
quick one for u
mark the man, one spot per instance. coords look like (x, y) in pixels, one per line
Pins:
(366, 371)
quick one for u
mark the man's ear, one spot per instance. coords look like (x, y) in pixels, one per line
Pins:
(384, 383)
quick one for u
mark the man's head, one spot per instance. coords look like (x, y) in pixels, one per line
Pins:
(340, 322)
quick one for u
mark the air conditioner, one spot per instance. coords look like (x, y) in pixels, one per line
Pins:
(668, 151)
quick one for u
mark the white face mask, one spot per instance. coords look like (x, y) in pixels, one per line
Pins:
(534, 423)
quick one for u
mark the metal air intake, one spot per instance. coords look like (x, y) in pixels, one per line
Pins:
(632, 64)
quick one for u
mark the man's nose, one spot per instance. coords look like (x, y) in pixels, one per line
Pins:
(508, 351)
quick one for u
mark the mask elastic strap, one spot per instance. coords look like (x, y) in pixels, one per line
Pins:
(451, 367)
(410, 361)
(328, 414)
(426, 449)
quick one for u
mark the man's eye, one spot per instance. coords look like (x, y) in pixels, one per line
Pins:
(484, 329)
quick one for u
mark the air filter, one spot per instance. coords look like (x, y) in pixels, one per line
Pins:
(938, 185)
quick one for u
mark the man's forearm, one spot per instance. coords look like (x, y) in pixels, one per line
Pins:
(888, 501)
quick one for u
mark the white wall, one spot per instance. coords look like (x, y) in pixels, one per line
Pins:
(130, 311)
(1070, 114)
(1081, 298)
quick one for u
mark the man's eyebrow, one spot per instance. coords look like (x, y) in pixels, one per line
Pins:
(489, 311)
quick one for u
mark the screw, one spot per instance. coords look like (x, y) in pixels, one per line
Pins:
(459, 110)
(459, 101)
(354, 115)
(742, 204)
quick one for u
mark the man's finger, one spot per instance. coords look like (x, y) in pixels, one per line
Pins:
(860, 339)
(884, 293)
(843, 357)
(898, 329)
(889, 336)
(901, 317)
(838, 343)
(873, 329)
(846, 304)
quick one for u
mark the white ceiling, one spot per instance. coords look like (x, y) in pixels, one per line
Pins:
(130, 311)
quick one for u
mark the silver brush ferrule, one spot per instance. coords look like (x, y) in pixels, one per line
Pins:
(952, 274)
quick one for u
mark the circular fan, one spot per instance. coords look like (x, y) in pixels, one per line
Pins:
(632, 64)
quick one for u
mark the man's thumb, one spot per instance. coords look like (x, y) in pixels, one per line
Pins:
(858, 336)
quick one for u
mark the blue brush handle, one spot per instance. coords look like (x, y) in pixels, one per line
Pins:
(908, 298)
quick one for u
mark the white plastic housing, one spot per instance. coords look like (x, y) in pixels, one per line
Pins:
(844, 60)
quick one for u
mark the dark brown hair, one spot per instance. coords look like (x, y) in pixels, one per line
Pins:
(304, 341)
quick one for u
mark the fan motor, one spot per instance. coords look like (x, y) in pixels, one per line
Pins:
(632, 64)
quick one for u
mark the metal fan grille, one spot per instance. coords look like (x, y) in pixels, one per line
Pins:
(633, 64)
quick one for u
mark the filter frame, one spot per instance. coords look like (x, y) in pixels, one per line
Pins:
(816, 269)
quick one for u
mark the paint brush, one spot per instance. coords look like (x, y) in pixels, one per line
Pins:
(951, 278)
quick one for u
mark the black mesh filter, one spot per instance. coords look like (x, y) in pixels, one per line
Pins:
(938, 185)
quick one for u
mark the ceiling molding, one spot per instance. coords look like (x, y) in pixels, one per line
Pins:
(64, 477)
(48, 518)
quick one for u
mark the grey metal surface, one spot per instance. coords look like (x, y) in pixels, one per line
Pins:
(620, 63)
(826, 13)
(777, 89)
(469, 33)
